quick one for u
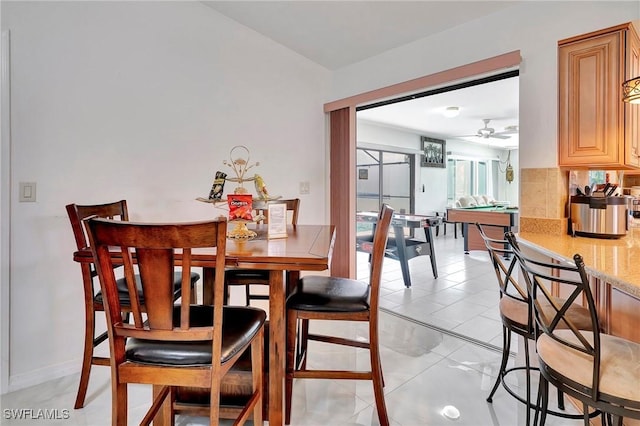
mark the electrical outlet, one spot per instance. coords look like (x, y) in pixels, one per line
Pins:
(304, 188)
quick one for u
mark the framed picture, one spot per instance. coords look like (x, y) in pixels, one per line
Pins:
(433, 152)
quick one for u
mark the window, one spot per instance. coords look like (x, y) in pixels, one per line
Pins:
(598, 176)
(470, 177)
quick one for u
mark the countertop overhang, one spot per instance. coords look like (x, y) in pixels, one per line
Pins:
(615, 261)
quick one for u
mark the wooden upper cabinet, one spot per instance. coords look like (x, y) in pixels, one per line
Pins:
(596, 129)
(632, 111)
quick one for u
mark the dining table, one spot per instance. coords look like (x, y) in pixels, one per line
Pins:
(305, 248)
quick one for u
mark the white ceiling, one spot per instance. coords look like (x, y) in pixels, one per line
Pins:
(497, 101)
(335, 34)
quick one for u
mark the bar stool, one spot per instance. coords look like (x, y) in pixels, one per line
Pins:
(338, 299)
(600, 370)
(516, 313)
(93, 297)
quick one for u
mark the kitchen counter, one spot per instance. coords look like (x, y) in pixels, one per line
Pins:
(614, 269)
(615, 261)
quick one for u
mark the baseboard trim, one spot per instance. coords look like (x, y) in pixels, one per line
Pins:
(42, 375)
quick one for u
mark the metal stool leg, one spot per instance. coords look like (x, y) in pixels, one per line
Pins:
(506, 343)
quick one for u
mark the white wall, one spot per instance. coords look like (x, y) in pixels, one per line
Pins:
(434, 197)
(141, 101)
(534, 28)
(510, 191)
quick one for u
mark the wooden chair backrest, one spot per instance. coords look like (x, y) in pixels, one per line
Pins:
(78, 213)
(157, 249)
(380, 237)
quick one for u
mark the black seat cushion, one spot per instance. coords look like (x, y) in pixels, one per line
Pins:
(240, 324)
(246, 274)
(244, 362)
(124, 293)
(329, 294)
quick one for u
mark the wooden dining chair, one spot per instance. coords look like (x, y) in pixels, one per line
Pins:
(251, 277)
(516, 313)
(600, 370)
(338, 299)
(93, 298)
(172, 345)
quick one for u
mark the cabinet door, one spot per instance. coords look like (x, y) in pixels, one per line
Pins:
(632, 111)
(623, 314)
(590, 112)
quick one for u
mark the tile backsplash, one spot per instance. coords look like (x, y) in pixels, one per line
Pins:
(545, 192)
(631, 180)
(543, 200)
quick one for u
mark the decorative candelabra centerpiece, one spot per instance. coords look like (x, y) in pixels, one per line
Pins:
(240, 166)
(241, 202)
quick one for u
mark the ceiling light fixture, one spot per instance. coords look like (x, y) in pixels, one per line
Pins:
(631, 91)
(451, 112)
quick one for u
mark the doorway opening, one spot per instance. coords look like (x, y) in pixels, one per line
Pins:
(471, 144)
(342, 151)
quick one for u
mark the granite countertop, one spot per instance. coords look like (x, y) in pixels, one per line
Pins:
(614, 261)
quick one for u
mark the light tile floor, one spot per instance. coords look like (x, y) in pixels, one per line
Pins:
(426, 369)
(462, 300)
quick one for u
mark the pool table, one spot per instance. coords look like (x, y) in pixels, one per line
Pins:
(495, 220)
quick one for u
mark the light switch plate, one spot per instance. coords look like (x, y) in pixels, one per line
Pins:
(304, 188)
(27, 192)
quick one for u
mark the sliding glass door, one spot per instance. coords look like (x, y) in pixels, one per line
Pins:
(384, 177)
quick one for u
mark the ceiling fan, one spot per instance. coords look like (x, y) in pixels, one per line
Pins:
(487, 132)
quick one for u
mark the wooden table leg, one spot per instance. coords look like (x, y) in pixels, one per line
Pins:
(277, 348)
(292, 278)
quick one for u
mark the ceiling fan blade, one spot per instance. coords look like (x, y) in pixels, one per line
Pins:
(497, 136)
(507, 132)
